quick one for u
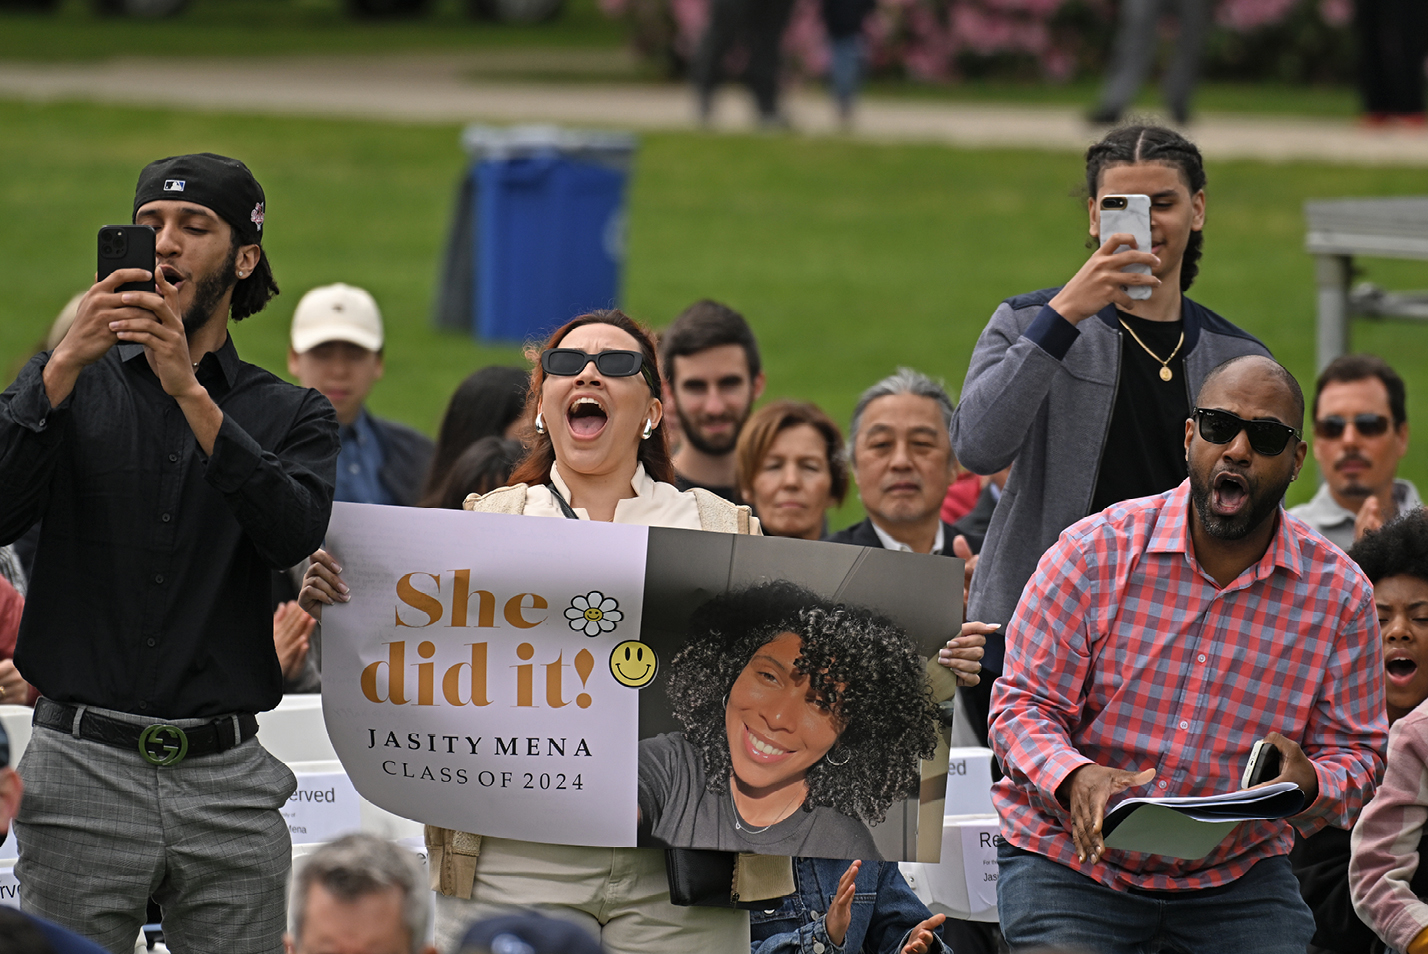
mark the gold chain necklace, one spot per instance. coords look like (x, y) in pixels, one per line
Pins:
(1165, 374)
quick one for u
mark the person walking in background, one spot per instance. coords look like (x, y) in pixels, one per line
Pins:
(1137, 41)
(487, 404)
(760, 24)
(1393, 40)
(171, 477)
(791, 469)
(843, 19)
(336, 348)
(712, 377)
(1360, 415)
(1157, 641)
(1085, 388)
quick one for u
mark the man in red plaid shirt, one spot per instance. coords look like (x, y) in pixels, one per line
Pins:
(1157, 641)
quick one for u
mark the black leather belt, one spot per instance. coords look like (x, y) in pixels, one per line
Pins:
(159, 743)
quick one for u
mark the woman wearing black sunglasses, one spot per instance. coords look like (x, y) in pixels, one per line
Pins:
(595, 451)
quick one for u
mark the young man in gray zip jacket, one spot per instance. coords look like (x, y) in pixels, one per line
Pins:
(1061, 382)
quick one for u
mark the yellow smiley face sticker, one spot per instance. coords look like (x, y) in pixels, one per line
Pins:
(633, 664)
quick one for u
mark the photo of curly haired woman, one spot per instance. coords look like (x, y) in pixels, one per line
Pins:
(803, 722)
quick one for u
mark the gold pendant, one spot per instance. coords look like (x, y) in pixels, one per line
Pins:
(1165, 374)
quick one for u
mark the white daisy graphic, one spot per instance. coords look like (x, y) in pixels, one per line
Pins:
(594, 613)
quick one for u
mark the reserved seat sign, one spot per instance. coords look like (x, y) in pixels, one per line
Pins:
(324, 807)
(9, 889)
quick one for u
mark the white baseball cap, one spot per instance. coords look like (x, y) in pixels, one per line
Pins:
(337, 313)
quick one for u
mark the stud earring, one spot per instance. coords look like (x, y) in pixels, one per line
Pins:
(649, 429)
(540, 424)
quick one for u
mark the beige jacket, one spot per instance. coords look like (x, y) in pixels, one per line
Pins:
(453, 853)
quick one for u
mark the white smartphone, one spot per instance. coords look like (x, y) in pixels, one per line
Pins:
(1131, 214)
(1263, 764)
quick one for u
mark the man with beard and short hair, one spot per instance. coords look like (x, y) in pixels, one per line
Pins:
(171, 478)
(1360, 434)
(1156, 642)
(712, 377)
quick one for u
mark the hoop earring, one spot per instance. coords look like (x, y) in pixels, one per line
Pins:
(540, 425)
(726, 700)
(649, 429)
(846, 756)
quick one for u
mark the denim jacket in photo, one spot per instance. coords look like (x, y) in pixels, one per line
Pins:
(885, 910)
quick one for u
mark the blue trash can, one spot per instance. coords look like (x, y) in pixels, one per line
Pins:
(548, 226)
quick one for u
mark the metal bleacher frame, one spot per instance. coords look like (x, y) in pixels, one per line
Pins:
(1341, 229)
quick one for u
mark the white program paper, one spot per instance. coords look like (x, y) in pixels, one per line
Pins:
(1190, 828)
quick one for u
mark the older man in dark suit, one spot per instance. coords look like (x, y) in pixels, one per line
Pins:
(902, 460)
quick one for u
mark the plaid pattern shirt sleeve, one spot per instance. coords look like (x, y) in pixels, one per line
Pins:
(1123, 652)
(1386, 839)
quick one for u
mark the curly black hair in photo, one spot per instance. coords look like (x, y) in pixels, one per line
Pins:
(1399, 548)
(864, 666)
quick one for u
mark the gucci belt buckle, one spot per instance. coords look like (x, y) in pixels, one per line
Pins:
(163, 745)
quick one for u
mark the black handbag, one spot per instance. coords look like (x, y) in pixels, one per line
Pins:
(704, 878)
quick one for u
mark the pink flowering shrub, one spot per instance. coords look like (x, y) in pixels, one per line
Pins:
(1056, 40)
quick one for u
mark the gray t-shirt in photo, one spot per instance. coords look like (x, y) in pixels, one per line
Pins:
(677, 811)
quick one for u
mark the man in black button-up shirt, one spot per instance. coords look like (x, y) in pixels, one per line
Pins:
(170, 477)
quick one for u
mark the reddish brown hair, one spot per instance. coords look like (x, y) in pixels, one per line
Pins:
(534, 468)
(778, 416)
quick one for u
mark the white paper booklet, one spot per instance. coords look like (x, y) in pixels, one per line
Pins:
(1189, 828)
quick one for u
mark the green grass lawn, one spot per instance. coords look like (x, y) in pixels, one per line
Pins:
(848, 258)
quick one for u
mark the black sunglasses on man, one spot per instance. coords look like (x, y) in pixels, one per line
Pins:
(1266, 437)
(1331, 426)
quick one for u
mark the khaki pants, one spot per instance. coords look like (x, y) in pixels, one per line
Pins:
(621, 895)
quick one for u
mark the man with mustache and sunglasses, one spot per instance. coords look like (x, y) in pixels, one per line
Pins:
(1157, 641)
(1360, 435)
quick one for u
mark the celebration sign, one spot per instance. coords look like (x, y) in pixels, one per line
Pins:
(602, 684)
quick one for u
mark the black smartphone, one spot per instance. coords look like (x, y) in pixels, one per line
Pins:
(1263, 765)
(127, 246)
